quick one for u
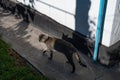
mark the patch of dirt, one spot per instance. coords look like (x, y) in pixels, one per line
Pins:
(19, 60)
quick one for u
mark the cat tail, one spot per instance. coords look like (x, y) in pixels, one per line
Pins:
(77, 55)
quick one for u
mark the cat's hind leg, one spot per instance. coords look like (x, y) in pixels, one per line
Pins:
(43, 53)
(70, 61)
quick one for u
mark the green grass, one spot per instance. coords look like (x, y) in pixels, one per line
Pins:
(10, 71)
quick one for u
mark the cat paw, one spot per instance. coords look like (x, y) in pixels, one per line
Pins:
(82, 64)
(44, 53)
(50, 58)
(73, 71)
(67, 62)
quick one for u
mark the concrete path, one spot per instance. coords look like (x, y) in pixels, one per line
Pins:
(23, 38)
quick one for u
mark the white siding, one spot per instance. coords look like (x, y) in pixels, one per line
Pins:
(115, 34)
(82, 16)
(74, 14)
(111, 30)
(93, 17)
(63, 11)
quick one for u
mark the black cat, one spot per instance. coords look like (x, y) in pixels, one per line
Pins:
(61, 46)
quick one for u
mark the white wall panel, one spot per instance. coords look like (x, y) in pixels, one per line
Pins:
(40, 7)
(63, 11)
(93, 17)
(115, 34)
(82, 16)
(108, 24)
(61, 16)
(70, 21)
(66, 5)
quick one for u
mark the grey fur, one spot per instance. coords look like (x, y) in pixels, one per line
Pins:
(61, 46)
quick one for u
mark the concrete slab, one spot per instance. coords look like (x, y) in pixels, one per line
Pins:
(23, 38)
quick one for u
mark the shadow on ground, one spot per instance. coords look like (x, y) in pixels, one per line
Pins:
(24, 40)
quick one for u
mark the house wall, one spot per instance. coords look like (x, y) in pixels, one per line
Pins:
(82, 16)
(111, 31)
(115, 34)
(58, 10)
(77, 15)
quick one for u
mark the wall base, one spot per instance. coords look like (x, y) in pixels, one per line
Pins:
(109, 55)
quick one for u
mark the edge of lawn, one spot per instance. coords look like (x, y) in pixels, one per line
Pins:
(15, 67)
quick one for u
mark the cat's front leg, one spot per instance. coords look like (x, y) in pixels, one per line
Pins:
(51, 55)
